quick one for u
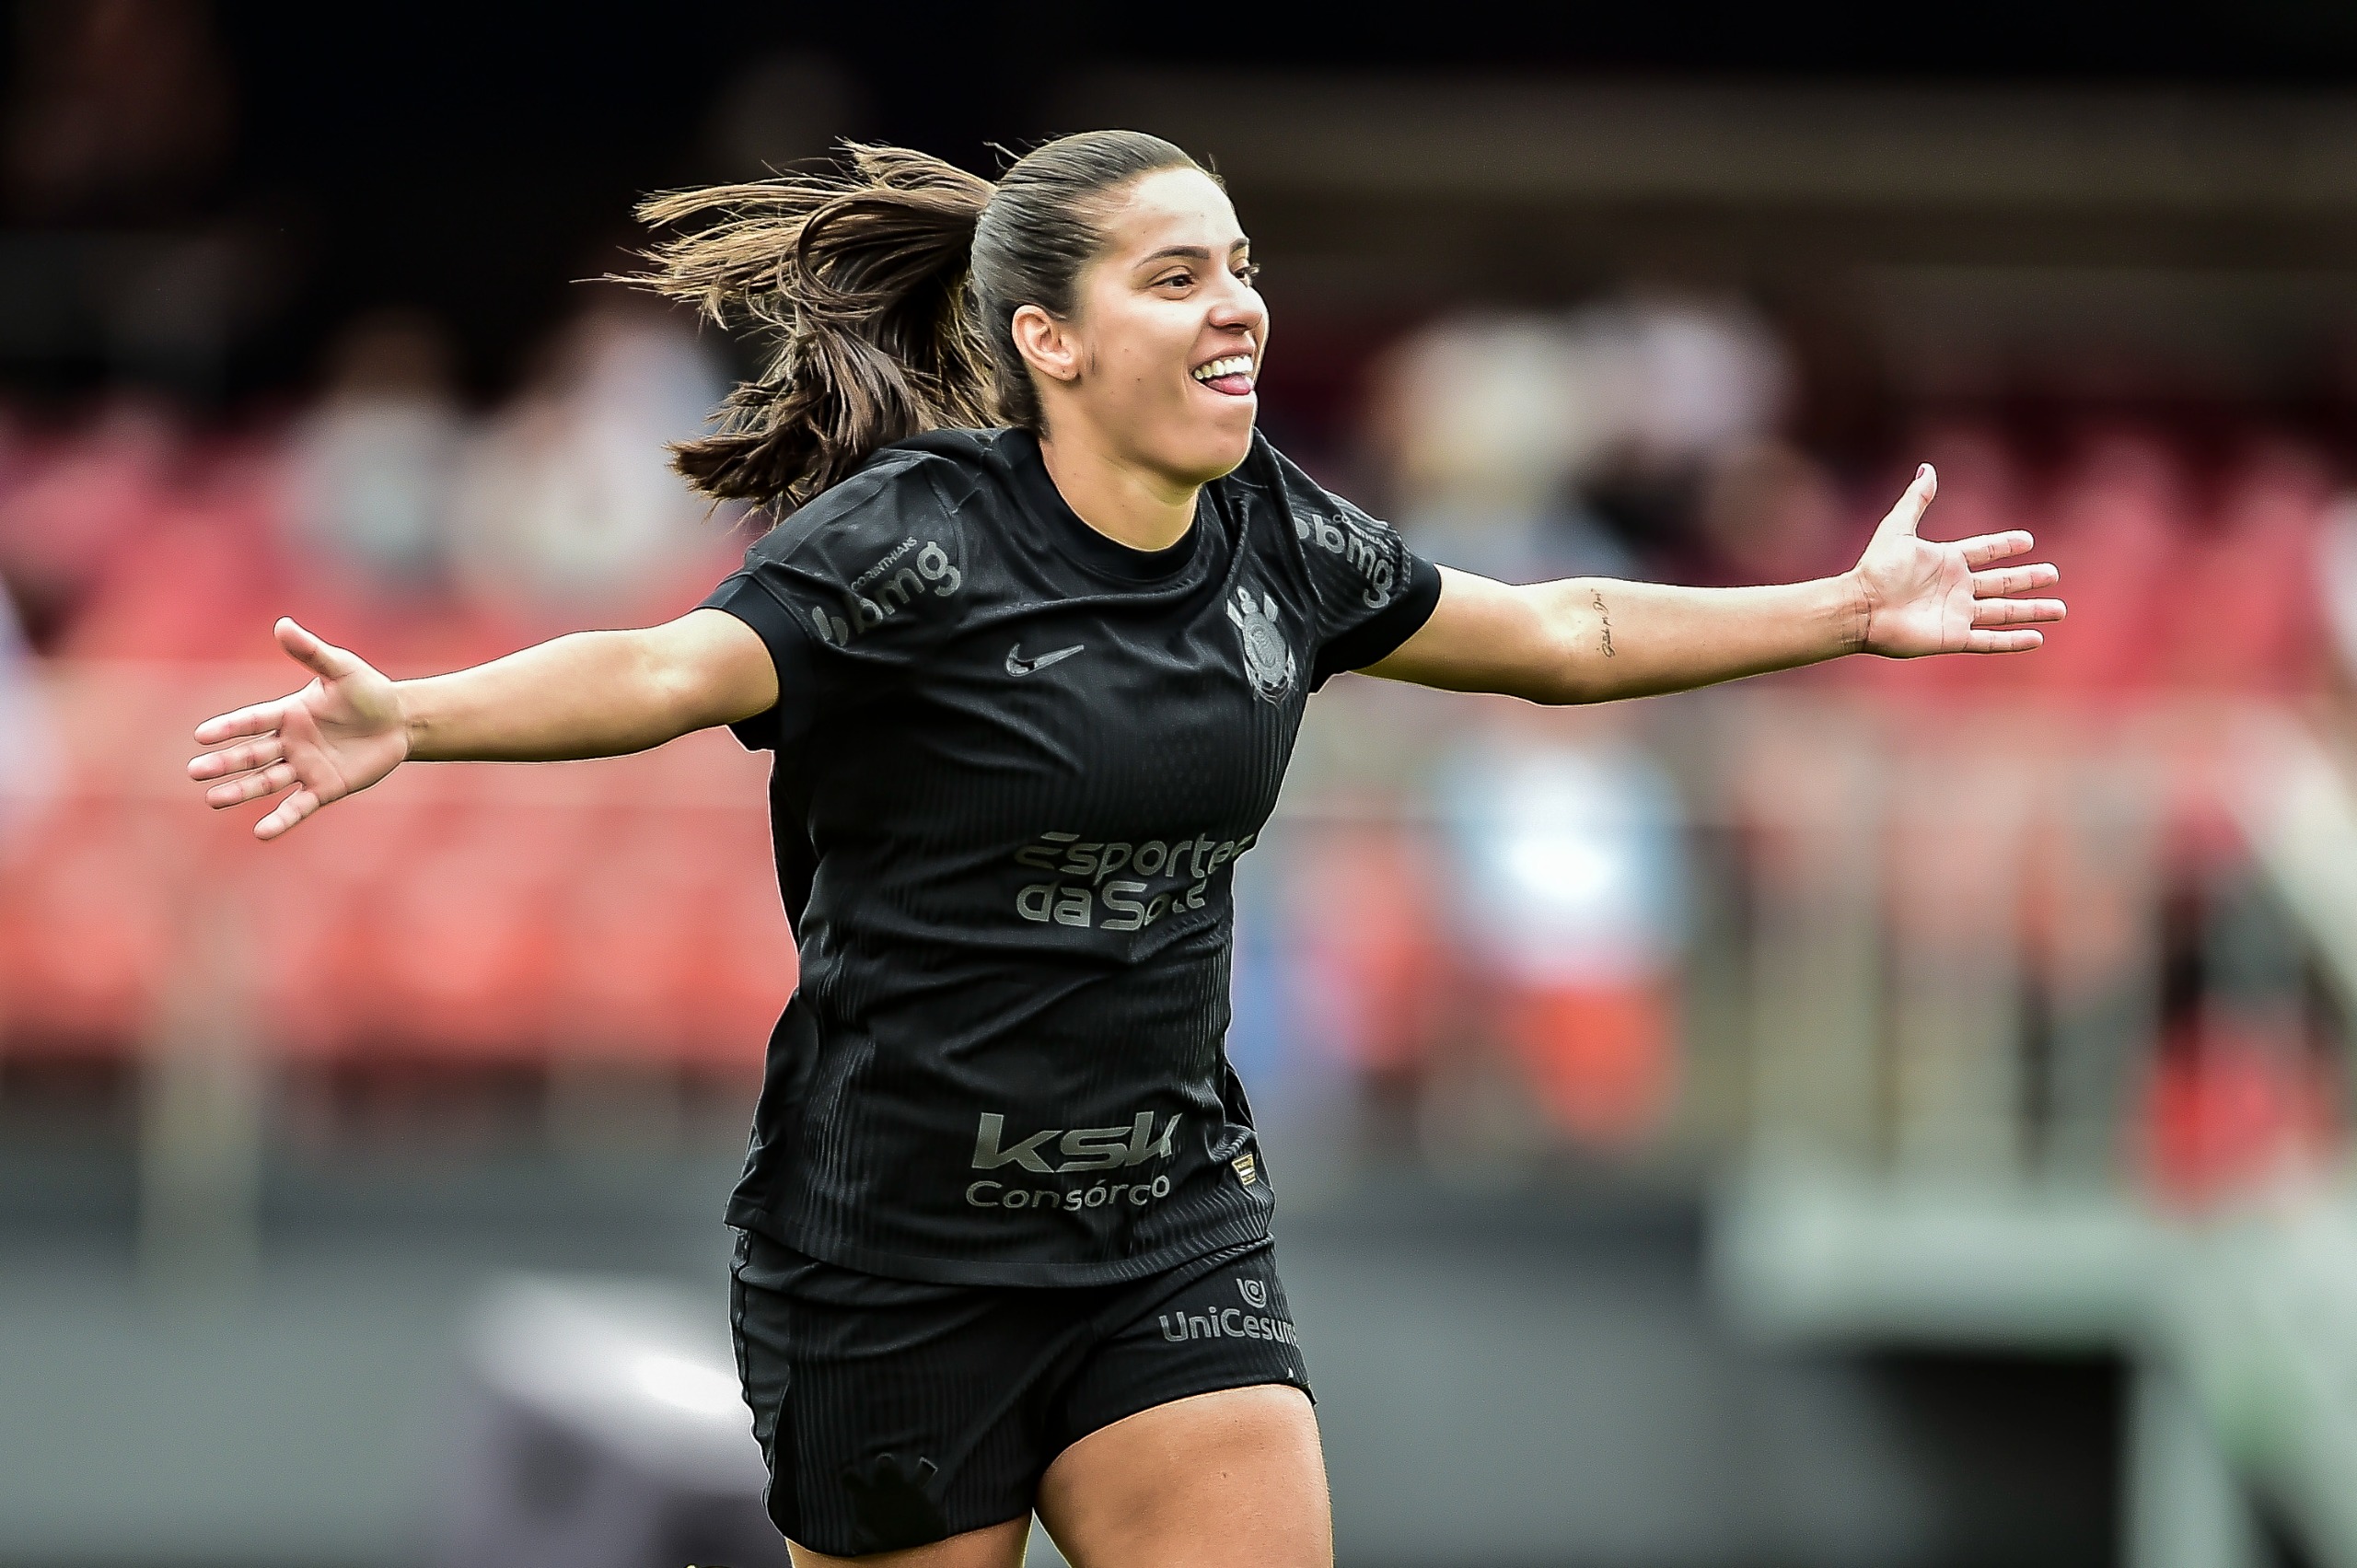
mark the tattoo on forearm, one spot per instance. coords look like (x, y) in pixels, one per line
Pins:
(1606, 616)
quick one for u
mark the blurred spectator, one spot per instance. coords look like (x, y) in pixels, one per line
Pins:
(2256, 561)
(2119, 521)
(121, 109)
(29, 758)
(1689, 379)
(2337, 575)
(569, 498)
(62, 529)
(1486, 423)
(1770, 513)
(1570, 877)
(375, 464)
(1527, 447)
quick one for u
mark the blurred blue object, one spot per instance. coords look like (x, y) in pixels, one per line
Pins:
(1570, 864)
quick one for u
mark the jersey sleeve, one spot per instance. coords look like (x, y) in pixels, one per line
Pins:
(848, 595)
(787, 720)
(1372, 592)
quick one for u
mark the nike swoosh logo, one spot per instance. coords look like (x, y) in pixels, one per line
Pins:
(1018, 665)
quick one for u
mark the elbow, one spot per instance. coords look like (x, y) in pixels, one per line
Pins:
(669, 689)
(1568, 686)
(1575, 653)
(1555, 675)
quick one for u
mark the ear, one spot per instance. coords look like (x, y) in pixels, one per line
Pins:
(1046, 344)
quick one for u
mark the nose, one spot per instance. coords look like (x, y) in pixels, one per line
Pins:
(1237, 308)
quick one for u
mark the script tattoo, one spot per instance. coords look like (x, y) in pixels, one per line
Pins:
(1606, 616)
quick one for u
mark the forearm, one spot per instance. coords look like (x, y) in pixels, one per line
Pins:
(586, 694)
(1596, 639)
(1621, 639)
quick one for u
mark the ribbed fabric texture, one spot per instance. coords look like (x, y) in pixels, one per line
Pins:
(895, 1413)
(1016, 762)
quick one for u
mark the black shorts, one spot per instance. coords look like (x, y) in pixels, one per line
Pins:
(894, 1412)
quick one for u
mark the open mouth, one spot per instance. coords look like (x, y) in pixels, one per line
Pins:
(1231, 373)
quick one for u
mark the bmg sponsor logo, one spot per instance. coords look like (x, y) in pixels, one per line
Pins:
(1345, 538)
(1079, 1149)
(897, 581)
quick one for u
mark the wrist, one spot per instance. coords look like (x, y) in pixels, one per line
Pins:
(410, 719)
(1854, 614)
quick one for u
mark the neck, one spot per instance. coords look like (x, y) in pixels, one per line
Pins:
(1118, 500)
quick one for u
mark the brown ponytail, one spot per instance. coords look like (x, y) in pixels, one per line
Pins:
(888, 292)
(861, 280)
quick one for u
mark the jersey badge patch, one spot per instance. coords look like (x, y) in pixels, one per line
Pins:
(1267, 659)
(1248, 1169)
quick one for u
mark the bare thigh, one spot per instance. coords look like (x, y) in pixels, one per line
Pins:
(1237, 1476)
(1211, 1482)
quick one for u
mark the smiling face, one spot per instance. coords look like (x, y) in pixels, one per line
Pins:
(1157, 364)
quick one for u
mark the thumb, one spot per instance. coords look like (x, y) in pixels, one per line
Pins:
(1908, 514)
(322, 659)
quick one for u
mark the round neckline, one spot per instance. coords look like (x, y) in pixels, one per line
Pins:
(1098, 550)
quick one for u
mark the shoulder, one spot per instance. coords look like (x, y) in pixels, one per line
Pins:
(1313, 512)
(1343, 549)
(903, 490)
(888, 547)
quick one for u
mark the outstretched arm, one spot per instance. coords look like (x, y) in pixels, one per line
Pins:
(589, 694)
(1594, 639)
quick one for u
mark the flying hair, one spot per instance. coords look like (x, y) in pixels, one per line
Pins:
(884, 292)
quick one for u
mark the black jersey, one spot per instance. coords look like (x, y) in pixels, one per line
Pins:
(1016, 763)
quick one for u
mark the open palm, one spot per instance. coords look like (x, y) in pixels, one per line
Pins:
(1923, 596)
(338, 735)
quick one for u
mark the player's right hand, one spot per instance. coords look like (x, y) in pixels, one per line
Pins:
(338, 735)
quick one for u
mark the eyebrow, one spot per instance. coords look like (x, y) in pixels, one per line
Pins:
(1191, 252)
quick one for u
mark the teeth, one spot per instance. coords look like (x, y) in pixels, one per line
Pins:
(1233, 365)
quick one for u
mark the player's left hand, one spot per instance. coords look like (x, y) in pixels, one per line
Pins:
(1922, 596)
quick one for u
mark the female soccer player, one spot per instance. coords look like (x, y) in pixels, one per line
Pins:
(1031, 641)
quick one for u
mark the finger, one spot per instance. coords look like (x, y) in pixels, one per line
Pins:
(259, 719)
(251, 786)
(2003, 642)
(322, 659)
(1982, 549)
(238, 759)
(1908, 514)
(2015, 611)
(2014, 580)
(291, 810)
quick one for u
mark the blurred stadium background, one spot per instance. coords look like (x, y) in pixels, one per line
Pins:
(1879, 1116)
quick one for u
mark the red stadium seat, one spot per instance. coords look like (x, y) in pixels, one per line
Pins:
(675, 945)
(1380, 977)
(2257, 624)
(625, 938)
(2231, 1105)
(745, 966)
(312, 899)
(2121, 523)
(1599, 1058)
(462, 944)
(89, 928)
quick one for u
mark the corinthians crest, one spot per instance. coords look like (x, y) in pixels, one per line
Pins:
(1267, 659)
